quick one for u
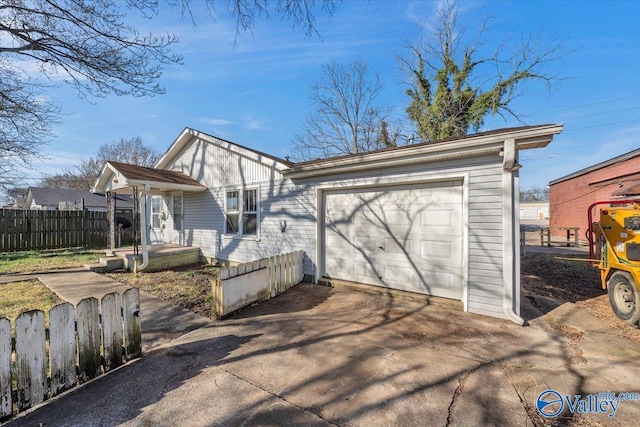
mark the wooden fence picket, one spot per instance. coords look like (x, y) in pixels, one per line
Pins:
(22, 230)
(30, 359)
(6, 402)
(282, 272)
(112, 330)
(72, 348)
(132, 323)
(62, 348)
(88, 328)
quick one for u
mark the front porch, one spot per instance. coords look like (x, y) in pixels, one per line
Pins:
(161, 257)
(164, 189)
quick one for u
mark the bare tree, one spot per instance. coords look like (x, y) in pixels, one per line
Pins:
(346, 119)
(83, 176)
(132, 151)
(454, 87)
(89, 45)
(535, 194)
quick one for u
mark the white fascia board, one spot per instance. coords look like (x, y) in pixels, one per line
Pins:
(164, 186)
(188, 133)
(99, 184)
(389, 162)
(174, 148)
(468, 147)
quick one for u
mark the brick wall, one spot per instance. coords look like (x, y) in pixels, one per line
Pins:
(570, 199)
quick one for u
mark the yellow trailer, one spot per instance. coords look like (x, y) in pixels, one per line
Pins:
(614, 245)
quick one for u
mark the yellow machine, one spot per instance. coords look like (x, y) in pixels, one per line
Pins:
(615, 249)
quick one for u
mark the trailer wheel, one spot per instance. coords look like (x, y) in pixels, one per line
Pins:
(624, 297)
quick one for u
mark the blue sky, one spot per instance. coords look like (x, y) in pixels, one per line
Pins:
(257, 94)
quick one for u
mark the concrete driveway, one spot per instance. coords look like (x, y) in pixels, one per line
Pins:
(321, 356)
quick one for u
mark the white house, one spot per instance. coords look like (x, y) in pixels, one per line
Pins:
(436, 218)
(534, 210)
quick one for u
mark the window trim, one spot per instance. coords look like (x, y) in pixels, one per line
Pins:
(240, 212)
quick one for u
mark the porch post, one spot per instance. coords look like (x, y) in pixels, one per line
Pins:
(111, 220)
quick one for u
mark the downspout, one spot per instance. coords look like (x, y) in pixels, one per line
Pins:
(510, 229)
(142, 203)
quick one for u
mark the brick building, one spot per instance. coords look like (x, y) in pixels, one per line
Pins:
(571, 195)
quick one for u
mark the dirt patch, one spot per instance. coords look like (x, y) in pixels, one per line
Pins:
(562, 280)
(188, 286)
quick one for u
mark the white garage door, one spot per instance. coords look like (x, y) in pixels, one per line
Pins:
(405, 237)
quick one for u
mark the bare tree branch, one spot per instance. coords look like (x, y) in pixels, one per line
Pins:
(83, 176)
(347, 119)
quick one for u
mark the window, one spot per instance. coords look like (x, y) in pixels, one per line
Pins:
(177, 213)
(232, 212)
(242, 212)
(250, 212)
(155, 212)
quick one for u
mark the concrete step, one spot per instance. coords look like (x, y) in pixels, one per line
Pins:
(112, 262)
(96, 267)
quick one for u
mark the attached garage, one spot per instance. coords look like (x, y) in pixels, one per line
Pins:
(406, 237)
(438, 219)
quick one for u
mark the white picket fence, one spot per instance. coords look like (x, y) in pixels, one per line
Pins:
(242, 285)
(82, 342)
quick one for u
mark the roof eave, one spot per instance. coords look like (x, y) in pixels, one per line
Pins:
(621, 158)
(485, 145)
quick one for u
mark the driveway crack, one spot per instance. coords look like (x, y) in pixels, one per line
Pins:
(456, 396)
(275, 395)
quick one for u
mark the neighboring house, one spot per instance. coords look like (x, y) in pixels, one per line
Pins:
(53, 199)
(436, 218)
(18, 203)
(570, 196)
(534, 210)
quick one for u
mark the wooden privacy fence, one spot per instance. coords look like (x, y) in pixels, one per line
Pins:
(25, 230)
(82, 342)
(239, 286)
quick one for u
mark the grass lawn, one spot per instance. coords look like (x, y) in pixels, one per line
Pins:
(38, 261)
(17, 297)
(188, 286)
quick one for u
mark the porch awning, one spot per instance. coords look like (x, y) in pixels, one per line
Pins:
(123, 178)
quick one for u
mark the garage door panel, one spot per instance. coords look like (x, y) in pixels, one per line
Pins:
(447, 251)
(442, 220)
(403, 237)
(397, 274)
(363, 273)
(442, 283)
(335, 241)
(338, 267)
(366, 244)
(396, 246)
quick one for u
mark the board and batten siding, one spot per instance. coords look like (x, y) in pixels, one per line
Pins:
(216, 166)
